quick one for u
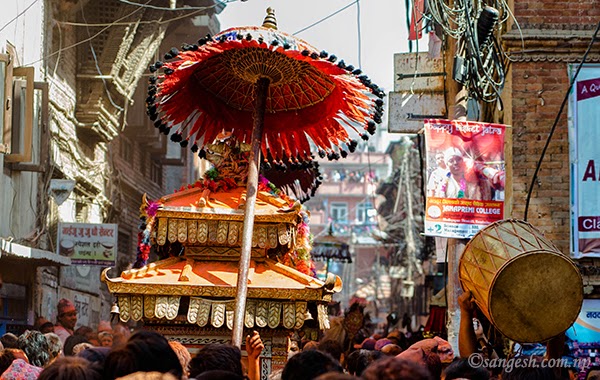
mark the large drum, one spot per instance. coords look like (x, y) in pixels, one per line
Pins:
(519, 279)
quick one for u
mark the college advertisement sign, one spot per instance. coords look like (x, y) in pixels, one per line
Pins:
(465, 177)
(584, 134)
(87, 243)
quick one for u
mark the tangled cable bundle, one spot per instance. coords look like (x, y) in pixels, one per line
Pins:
(477, 26)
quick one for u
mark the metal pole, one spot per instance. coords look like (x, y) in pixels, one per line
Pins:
(262, 87)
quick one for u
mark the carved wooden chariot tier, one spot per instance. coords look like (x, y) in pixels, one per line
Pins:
(189, 294)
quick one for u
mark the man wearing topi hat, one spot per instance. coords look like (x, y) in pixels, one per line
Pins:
(66, 319)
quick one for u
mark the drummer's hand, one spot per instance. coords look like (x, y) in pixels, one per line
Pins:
(465, 301)
(254, 345)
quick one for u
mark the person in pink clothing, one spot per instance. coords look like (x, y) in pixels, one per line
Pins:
(66, 319)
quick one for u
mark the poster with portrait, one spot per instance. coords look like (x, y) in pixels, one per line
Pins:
(465, 175)
(584, 134)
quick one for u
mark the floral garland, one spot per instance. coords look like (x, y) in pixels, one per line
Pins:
(298, 258)
(147, 213)
(462, 186)
(212, 181)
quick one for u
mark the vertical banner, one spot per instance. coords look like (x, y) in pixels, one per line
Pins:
(584, 135)
(88, 244)
(465, 177)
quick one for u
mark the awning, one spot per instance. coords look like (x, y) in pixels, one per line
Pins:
(35, 256)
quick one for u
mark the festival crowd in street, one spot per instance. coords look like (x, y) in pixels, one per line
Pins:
(57, 351)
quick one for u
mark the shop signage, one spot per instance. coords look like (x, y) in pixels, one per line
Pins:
(87, 243)
(584, 134)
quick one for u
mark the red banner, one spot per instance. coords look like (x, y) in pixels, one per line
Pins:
(588, 89)
(465, 177)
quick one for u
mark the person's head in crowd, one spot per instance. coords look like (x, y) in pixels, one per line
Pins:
(391, 350)
(89, 334)
(14, 353)
(105, 338)
(366, 344)
(310, 345)
(35, 346)
(336, 376)
(462, 369)
(424, 352)
(104, 326)
(1, 346)
(81, 347)
(183, 354)
(217, 356)
(529, 373)
(70, 368)
(382, 343)
(71, 342)
(10, 340)
(593, 373)
(398, 337)
(95, 355)
(121, 334)
(145, 351)
(359, 360)
(55, 346)
(307, 365)
(333, 348)
(43, 325)
(19, 369)
(148, 376)
(66, 314)
(396, 369)
(219, 375)
(6, 358)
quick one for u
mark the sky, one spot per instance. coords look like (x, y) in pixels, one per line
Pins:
(383, 29)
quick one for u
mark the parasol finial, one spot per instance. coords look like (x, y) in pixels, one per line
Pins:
(270, 20)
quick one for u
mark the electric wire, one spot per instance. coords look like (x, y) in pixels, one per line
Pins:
(146, 5)
(562, 106)
(325, 18)
(18, 15)
(358, 34)
(93, 51)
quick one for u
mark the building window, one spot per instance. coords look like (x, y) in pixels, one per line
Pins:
(156, 172)
(125, 150)
(364, 212)
(338, 212)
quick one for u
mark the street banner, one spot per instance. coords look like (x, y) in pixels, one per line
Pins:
(584, 135)
(88, 243)
(586, 328)
(465, 177)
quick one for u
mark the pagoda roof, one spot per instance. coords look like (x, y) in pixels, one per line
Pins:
(155, 291)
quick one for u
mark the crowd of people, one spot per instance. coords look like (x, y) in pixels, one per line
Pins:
(56, 351)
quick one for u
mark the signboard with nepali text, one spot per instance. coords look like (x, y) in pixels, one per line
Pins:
(465, 177)
(584, 135)
(88, 243)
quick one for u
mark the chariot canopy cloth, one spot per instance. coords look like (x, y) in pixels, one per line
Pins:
(312, 98)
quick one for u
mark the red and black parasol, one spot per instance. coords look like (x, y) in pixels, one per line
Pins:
(268, 89)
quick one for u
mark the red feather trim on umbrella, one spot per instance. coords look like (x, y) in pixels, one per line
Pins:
(309, 98)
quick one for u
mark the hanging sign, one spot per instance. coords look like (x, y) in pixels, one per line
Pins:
(584, 135)
(465, 177)
(87, 243)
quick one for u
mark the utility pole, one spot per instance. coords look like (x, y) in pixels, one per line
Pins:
(457, 96)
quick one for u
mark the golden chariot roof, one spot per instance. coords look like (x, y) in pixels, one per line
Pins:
(199, 284)
(277, 294)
